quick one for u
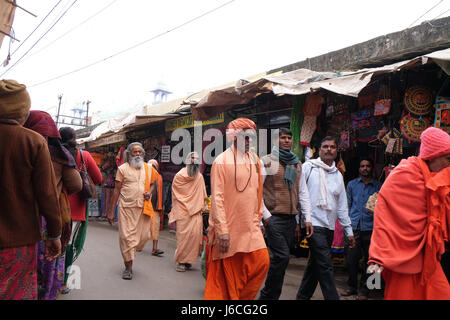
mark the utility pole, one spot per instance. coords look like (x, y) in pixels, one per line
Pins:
(87, 112)
(59, 108)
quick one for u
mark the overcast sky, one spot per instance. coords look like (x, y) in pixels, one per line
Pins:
(242, 38)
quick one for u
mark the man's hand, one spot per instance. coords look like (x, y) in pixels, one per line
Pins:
(147, 195)
(224, 243)
(375, 268)
(52, 249)
(351, 242)
(309, 229)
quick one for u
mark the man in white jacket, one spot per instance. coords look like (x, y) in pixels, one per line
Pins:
(329, 202)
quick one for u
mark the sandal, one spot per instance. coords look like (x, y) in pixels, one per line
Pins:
(65, 291)
(127, 274)
(157, 253)
(181, 267)
(188, 266)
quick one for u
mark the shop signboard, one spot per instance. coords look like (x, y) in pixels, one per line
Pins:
(107, 140)
(188, 122)
(165, 154)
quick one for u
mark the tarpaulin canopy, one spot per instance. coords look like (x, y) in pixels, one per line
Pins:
(302, 81)
(149, 114)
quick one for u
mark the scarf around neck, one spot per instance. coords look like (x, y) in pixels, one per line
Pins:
(323, 192)
(290, 161)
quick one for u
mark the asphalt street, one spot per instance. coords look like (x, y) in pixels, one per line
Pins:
(155, 278)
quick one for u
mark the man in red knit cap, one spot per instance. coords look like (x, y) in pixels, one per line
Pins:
(412, 223)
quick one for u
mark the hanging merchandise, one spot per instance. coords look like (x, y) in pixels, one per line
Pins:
(394, 146)
(344, 141)
(412, 127)
(363, 119)
(296, 124)
(340, 165)
(367, 99)
(418, 100)
(120, 158)
(394, 133)
(338, 124)
(371, 202)
(311, 111)
(329, 111)
(382, 107)
(340, 109)
(442, 117)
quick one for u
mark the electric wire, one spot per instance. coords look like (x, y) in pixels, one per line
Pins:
(36, 28)
(15, 63)
(134, 46)
(426, 13)
(441, 14)
(71, 30)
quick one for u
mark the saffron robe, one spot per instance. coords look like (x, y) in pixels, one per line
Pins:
(410, 230)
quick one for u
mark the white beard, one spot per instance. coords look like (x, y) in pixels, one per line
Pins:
(136, 162)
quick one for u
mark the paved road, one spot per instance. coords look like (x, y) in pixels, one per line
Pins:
(154, 278)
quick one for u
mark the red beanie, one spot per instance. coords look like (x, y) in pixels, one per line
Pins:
(434, 143)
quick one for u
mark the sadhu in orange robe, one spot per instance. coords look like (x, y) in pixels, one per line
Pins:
(188, 202)
(238, 273)
(411, 226)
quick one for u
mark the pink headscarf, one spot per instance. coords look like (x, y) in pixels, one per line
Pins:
(434, 143)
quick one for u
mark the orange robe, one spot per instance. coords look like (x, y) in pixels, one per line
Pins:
(410, 230)
(188, 201)
(238, 273)
(134, 226)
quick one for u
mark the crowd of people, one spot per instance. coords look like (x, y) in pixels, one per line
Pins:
(259, 209)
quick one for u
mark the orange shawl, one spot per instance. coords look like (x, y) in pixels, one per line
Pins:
(410, 219)
(188, 195)
(148, 208)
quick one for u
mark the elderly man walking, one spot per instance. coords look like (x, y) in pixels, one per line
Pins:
(27, 192)
(329, 202)
(239, 259)
(412, 223)
(285, 192)
(188, 202)
(133, 188)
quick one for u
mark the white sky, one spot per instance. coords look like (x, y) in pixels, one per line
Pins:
(243, 38)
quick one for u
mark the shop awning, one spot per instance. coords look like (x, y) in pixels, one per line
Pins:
(302, 81)
(442, 58)
(7, 10)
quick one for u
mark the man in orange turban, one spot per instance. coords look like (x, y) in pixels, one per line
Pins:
(239, 259)
(412, 221)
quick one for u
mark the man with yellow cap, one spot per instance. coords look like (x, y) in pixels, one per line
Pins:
(239, 259)
(412, 223)
(27, 191)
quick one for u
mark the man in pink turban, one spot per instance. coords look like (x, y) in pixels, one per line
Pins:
(412, 223)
